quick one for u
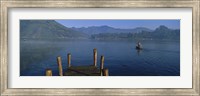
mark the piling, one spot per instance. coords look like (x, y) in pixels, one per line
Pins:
(101, 65)
(91, 70)
(59, 62)
(105, 72)
(95, 56)
(69, 59)
(48, 72)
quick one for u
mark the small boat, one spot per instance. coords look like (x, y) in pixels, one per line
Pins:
(139, 46)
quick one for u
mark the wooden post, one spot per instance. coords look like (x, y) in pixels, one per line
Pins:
(95, 56)
(59, 62)
(48, 72)
(101, 65)
(69, 59)
(105, 72)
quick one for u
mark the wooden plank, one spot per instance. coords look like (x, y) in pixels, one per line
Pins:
(105, 72)
(95, 56)
(48, 72)
(69, 59)
(101, 65)
(59, 62)
(82, 71)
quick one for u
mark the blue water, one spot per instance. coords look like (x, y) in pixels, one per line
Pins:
(158, 58)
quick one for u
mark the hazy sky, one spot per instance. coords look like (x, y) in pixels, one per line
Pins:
(151, 24)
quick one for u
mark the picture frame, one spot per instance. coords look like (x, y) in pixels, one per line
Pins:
(4, 53)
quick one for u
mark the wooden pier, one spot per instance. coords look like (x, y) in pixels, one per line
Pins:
(90, 70)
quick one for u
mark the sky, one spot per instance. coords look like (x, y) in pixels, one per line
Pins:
(123, 24)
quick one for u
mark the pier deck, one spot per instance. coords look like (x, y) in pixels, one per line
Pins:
(90, 70)
(82, 71)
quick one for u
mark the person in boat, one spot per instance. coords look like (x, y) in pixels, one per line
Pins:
(139, 45)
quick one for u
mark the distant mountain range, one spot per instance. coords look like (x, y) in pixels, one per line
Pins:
(47, 29)
(50, 29)
(160, 33)
(107, 29)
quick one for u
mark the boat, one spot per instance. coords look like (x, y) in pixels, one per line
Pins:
(139, 46)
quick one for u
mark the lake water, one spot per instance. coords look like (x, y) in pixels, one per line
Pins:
(158, 58)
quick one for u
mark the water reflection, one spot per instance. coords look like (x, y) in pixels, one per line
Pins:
(138, 52)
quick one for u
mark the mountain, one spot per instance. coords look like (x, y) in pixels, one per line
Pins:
(107, 29)
(47, 29)
(160, 33)
(163, 32)
(50, 29)
(141, 29)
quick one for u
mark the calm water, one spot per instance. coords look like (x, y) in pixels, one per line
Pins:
(158, 58)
